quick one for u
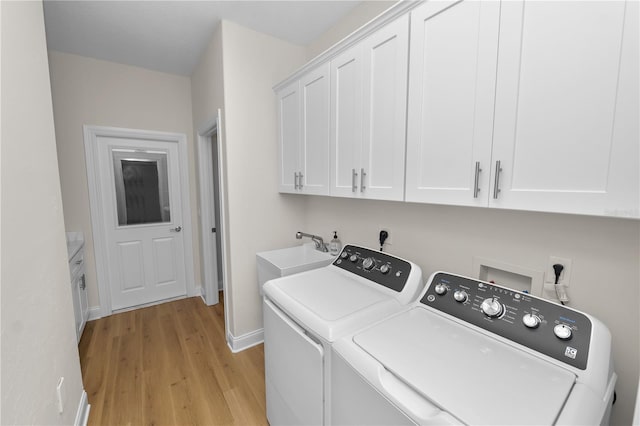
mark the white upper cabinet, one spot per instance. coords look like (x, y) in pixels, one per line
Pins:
(368, 115)
(559, 135)
(566, 114)
(452, 76)
(303, 108)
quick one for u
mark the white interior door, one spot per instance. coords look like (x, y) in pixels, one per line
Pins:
(139, 181)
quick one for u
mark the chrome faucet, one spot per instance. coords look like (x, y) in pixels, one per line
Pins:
(320, 244)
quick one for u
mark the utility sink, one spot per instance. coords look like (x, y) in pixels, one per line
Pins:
(288, 261)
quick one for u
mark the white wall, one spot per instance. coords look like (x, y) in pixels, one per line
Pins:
(259, 218)
(605, 256)
(90, 91)
(357, 17)
(38, 328)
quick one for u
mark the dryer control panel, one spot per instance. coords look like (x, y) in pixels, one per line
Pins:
(554, 330)
(376, 266)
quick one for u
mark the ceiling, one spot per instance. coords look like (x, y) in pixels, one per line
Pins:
(170, 36)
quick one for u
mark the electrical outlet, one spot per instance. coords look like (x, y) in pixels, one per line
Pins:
(388, 241)
(565, 276)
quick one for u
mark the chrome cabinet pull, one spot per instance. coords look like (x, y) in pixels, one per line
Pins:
(476, 182)
(176, 229)
(354, 178)
(83, 283)
(78, 262)
(496, 183)
(300, 180)
(295, 180)
(362, 175)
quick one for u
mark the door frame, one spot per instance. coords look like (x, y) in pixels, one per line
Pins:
(97, 202)
(205, 176)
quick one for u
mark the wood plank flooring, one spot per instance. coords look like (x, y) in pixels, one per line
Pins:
(169, 364)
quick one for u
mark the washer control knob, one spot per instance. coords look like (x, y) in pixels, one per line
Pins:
(385, 269)
(344, 255)
(531, 321)
(368, 263)
(460, 296)
(440, 289)
(492, 307)
(562, 331)
(353, 258)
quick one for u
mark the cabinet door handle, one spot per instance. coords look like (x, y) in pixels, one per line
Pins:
(176, 229)
(496, 183)
(78, 262)
(354, 182)
(83, 283)
(476, 183)
(295, 180)
(300, 180)
(362, 175)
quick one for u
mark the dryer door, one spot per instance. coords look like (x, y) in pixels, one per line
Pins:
(293, 371)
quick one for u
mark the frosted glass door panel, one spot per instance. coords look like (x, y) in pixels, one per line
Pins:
(451, 98)
(346, 122)
(560, 88)
(385, 100)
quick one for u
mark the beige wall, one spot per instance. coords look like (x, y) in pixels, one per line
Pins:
(89, 91)
(358, 16)
(259, 218)
(38, 327)
(605, 256)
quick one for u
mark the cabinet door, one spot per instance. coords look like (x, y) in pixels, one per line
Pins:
(77, 310)
(289, 137)
(451, 98)
(346, 122)
(84, 302)
(314, 91)
(567, 91)
(384, 82)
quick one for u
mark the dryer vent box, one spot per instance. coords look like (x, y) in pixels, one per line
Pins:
(511, 276)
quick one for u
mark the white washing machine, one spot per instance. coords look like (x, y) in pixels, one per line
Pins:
(306, 312)
(470, 352)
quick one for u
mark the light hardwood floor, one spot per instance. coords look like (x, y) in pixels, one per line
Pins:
(170, 364)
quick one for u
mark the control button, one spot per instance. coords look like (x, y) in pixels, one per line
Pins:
(492, 307)
(562, 331)
(339, 261)
(384, 268)
(368, 263)
(440, 289)
(353, 258)
(531, 321)
(398, 274)
(344, 255)
(460, 296)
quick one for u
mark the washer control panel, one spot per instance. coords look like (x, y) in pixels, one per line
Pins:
(376, 266)
(549, 328)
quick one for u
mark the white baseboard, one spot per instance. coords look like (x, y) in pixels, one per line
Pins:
(82, 415)
(240, 343)
(95, 312)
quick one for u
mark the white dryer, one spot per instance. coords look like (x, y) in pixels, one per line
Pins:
(306, 312)
(471, 352)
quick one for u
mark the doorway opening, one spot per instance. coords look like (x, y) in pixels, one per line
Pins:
(212, 216)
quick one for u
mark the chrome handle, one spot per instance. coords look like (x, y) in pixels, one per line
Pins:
(496, 183)
(78, 262)
(354, 183)
(83, 283)
(176, 229)
(362, 175)
(295, 180)
(300, 180)
(476, 188)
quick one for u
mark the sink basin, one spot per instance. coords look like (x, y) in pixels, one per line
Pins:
(292, 260)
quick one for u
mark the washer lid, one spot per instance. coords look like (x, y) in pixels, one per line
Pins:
(475, 378)
(329, 302)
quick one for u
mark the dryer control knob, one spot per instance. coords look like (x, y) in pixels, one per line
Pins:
(492, 307)
(460, 296)
(368, 263)
(344, 255)
(440, 289)
(531, 321)
(562, 331)
(385, 269)
(353, 258)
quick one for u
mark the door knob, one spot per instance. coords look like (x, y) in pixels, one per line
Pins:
(176, 229)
